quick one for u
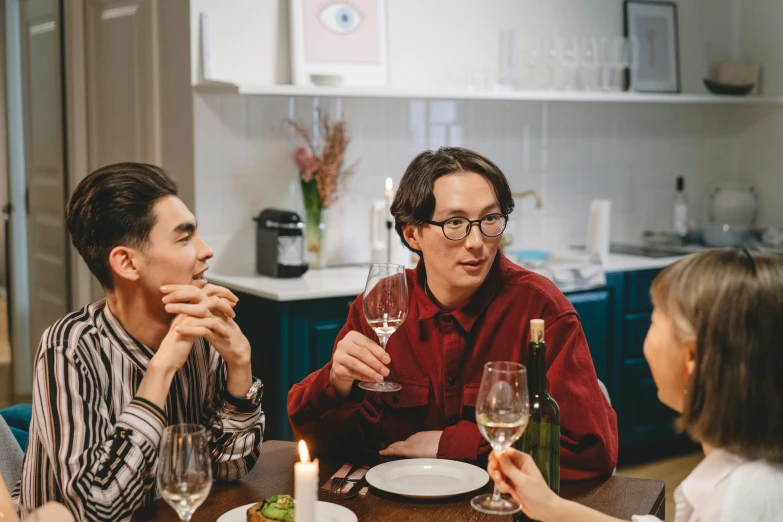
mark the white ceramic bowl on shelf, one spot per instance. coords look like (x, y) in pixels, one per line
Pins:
(725, 235)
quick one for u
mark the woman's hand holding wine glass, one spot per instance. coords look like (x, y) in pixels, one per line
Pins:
(502, 411)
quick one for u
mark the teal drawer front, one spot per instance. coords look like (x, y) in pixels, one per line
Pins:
(636, 326)
(595, 313)
(644, 418)
(637, 298)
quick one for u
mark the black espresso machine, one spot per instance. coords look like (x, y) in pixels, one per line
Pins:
(280, 250)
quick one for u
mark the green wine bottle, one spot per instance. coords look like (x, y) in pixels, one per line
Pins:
(542, 436)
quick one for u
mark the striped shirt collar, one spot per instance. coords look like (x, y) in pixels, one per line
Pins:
(108, 324)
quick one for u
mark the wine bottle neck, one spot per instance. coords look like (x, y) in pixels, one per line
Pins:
(537, 364)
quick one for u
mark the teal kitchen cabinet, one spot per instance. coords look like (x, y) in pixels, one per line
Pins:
(641, 417)
(597, 312)
(291, 339)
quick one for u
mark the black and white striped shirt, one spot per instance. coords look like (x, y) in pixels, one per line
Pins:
(93, 445)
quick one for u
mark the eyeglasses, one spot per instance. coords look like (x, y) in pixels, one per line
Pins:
(456, 228)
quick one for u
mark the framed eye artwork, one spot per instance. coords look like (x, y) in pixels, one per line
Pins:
(337, 43)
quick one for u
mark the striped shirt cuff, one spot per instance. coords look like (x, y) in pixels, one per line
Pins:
(241, 420)
(142, 416)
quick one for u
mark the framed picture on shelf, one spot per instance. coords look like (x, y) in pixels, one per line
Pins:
(652, 29)
(338, 43)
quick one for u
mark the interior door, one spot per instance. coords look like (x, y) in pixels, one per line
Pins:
(43, 89)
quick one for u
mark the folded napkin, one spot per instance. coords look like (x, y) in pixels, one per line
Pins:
(352, 479)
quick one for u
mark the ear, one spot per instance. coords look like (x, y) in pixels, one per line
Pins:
(124, 263)
(411, 235)
(690, 359)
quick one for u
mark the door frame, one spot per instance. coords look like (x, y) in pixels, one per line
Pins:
(76, 154)
(77, 140)
(19, 297)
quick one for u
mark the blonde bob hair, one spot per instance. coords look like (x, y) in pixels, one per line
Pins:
(729, 302)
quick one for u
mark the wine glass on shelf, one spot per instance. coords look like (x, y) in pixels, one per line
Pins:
(184, 468)
(385, 307)
(502, 411)
(589, 64)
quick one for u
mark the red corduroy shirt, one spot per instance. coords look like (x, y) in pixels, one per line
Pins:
(438, 357)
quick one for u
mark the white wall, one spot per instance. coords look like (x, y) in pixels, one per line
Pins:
(248, 40)
(761, 154)
(571, 152)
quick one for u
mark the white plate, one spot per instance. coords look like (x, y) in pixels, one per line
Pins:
(324, 512)
(427, 478)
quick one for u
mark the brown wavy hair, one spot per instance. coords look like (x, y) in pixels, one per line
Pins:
(414, 202)
(114, 206)
(730, 303)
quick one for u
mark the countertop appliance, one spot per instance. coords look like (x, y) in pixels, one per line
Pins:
(280, 244)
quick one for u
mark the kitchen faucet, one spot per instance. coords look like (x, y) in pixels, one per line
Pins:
(535, 193)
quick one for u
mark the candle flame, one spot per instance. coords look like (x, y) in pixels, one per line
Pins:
(304, 455)
(389, 184)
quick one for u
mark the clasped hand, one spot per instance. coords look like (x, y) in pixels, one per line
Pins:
(203, 310)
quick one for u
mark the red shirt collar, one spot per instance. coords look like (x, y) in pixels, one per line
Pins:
(467, 314)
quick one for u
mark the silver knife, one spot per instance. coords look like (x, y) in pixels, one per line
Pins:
(357, 487)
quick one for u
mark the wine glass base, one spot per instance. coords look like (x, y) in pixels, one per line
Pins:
(380, 386)
(486, 504)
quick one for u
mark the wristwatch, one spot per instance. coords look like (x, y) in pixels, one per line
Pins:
(251, 400)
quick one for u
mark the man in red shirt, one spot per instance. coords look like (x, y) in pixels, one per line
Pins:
(468, 305)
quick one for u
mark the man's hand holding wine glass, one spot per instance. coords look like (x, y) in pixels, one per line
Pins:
(357, 358)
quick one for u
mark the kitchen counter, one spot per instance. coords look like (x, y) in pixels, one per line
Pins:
(350, 280)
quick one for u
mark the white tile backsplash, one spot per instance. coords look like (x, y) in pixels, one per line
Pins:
(571, 152)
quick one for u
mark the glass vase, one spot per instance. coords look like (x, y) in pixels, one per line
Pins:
(314, 238)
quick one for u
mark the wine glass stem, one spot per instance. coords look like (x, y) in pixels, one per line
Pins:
(384, 339)
(496, 494)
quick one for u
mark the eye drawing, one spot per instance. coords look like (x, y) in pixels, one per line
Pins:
(340, 18)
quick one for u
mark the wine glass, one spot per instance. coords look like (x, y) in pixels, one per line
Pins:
(502, 410)
(385, 307)
(184, 468)
(589, 64)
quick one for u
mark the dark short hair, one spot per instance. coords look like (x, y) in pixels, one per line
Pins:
(113, 206)
(414, 202)
(730, 302)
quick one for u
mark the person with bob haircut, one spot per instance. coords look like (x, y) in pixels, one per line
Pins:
(714, 348)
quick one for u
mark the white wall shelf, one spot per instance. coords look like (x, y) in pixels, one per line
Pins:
(497, 95)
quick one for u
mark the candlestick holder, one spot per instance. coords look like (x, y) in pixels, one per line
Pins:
(388, 241)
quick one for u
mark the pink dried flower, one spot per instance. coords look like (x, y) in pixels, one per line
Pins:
(306, 162)
(323, 163)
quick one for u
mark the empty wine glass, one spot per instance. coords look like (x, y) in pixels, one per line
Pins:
(385, 307)
(502, 411)
(589, 64)
(184, 468)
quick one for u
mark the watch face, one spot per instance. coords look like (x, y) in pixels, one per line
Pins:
(256, 392)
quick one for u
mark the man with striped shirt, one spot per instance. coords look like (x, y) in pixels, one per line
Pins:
(162, 348)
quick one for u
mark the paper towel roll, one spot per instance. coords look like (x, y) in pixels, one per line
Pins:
(598, 230)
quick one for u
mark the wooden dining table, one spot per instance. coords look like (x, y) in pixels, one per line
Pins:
(273, 474)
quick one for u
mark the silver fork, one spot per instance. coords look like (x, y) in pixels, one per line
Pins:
(338, 483)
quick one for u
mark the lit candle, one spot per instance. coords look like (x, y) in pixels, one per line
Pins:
(305, 486)
(389, 196)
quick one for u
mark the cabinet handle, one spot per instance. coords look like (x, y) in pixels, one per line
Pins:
(350, 303)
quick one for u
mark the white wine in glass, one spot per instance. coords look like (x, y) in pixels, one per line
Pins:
(502, 413)
(184, 468)
(385, 306)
